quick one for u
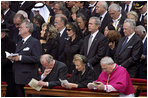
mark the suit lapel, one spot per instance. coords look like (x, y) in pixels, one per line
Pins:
(131, 40)
(23, 46)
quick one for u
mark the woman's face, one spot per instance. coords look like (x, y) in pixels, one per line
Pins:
(43, 29)
(70, 32)
(79, 65)
(106, 31)
(81, 23)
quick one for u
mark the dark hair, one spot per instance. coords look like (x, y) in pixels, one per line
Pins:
(83, 18)
(113, 36)
(39, 19)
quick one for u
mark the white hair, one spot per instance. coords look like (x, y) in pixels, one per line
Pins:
(23, 13)
(131, 22)
(106, 60)
(141, 29)
(114, 7)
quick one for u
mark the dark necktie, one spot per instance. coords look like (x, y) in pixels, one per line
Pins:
(127, 7)
(124, 43)
(21, 43)
(100, 17)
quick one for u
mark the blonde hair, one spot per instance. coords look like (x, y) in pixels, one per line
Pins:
(80, 58)
(134, 14)
(51, 31)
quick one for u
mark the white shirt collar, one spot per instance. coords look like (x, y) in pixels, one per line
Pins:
(129, 37)
(94, 34)
(6, 11)
(61, 32)
(25, 39)
(92, 5)
(144, 39)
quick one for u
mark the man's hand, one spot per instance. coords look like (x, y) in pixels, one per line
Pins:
(42, 83)
(69, 85)
(46, 72)
(14, 58)
(100, 86)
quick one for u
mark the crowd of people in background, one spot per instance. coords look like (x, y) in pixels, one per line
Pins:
(58, 30)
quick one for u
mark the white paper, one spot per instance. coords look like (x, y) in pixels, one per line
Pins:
(33, 83)
(64, 81)
(92, 85)
(10, 54)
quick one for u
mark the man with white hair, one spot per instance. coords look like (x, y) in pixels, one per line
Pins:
(113, 78)
(101, 10)
(117, 17)
(141, 32)
(129, 49)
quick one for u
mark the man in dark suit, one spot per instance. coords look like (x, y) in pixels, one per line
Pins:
(54, 70)
(141, 32)
(26, 63)
(129, 49)
(60, 24)
(117, 17)
(94, 45)
(101, 10)
(8, 13)
(127, 6)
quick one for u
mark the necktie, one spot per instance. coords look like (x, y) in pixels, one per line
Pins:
(89, 43)
(124, 43)
(100, 17)
(127, 7)
(21, 43)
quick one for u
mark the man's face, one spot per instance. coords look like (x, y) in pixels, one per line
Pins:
(99, 8)
(127, 29)
(114, 15)
(3, 5)
(107, 68)
(56, 9)
(58, 23)
(17, 22)
(22, 29)
(92, 27)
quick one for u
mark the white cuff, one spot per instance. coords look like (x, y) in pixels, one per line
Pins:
(20, 58)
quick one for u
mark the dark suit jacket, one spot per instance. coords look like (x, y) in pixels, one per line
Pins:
(130, 55)
(61, 41)
(97, 50)
(27, 68)
(107, 19)
(82, 80)
(59, 71)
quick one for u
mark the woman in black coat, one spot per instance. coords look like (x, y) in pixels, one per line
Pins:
(72, 46)
(82, 74)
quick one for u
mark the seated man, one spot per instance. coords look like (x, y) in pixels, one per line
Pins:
(113, 78)
(54, 70)
(82, 75)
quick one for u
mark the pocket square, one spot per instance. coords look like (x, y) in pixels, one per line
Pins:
(26, 49)
(130, 47)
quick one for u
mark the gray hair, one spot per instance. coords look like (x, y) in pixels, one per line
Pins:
(114, 7)
(62, 17)
(106, 60)
(23, 13)
(104, 4)
(141, 29)
(29, 25)
(145, 18)
(131, 22)
(97, 20)
(46, 57)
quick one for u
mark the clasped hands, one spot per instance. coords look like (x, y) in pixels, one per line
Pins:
(69, 85)
(99, 86)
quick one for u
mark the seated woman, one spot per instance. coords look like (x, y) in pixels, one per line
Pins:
(108, 28)
(82, 74)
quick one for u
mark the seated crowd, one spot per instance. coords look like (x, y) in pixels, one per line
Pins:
(102, 45)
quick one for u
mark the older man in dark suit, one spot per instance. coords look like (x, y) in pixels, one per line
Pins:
(25, 65)
(129, 49)
(101, 10)
(54, 70)
(94, 45)
(60, 24)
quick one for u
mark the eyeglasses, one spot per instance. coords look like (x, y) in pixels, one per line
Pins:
(68, 29)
